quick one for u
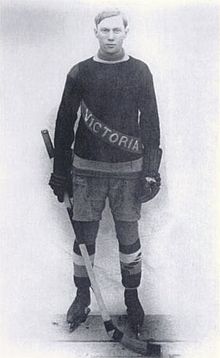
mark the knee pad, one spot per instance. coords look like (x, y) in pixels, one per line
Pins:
(86, 231)
(126, 231)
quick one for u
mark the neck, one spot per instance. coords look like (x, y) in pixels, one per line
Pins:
(111, 56)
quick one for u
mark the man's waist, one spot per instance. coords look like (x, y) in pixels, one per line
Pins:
(133, 166)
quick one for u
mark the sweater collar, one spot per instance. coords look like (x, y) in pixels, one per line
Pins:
(114, 58)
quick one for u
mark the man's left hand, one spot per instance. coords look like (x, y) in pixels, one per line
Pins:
(149, 188)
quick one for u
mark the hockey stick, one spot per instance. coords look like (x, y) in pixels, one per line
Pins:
(147, 349)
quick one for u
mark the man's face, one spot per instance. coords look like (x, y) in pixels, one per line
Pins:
(111, 34)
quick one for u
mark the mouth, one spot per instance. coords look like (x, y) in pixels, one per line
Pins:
(110, 45)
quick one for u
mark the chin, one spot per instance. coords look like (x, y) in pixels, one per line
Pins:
(111, 51)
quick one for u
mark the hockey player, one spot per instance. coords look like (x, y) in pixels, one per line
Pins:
(115, 156)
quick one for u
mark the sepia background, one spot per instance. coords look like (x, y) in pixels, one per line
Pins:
(40, 42)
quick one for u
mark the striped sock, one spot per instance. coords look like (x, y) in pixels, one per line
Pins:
(81, 278)
(130, 263)
(86, 233)
(129, 252)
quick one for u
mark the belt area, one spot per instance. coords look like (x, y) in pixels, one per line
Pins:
(122, 167)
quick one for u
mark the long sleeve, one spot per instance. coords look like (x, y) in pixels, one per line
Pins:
(66, 118)
(149, 119)
(149, 124)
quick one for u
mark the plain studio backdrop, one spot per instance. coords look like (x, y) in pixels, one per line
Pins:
(40, 42)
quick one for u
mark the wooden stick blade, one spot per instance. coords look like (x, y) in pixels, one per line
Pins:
(147, 349)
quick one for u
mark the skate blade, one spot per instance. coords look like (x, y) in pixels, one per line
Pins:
(74, 325)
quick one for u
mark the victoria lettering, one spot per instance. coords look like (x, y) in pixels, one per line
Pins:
(111, 136)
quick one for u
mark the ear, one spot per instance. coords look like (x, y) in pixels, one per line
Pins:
(96, 32)
(126, 31)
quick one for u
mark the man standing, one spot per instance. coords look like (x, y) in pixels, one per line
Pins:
(116, 154)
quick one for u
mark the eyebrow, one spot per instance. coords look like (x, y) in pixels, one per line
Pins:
(107, 28)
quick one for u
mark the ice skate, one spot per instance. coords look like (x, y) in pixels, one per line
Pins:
(134, 310)
(79, 309)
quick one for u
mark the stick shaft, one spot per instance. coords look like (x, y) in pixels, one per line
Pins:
(95, 286)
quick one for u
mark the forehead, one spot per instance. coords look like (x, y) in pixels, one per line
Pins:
(111, 22)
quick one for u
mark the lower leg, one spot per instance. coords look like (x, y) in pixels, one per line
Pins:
(130, 262)
(86, 233)
(134, 309)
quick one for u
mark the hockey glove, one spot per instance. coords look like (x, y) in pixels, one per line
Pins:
(60, 185)
(150, 181)
(61, 178)
(149, 188)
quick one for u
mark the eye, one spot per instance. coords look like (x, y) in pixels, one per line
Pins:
(117, 31)
(104, 30)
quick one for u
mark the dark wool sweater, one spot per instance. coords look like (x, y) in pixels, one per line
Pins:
(121, 95)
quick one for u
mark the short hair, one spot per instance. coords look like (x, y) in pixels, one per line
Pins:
(109, 13)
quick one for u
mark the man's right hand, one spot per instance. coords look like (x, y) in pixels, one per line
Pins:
(61, 184)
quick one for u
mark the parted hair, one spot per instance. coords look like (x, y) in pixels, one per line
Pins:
(109, 13)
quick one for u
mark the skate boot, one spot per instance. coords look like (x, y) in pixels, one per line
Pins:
(134, 310)
(79, 310)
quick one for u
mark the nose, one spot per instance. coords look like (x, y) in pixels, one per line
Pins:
(111, 35)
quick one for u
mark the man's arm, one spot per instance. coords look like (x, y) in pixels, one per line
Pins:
(66, 118)
(64, 134)
(149, 124)
(150, 134)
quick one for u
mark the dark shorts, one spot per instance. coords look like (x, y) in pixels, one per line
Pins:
(90, 193)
